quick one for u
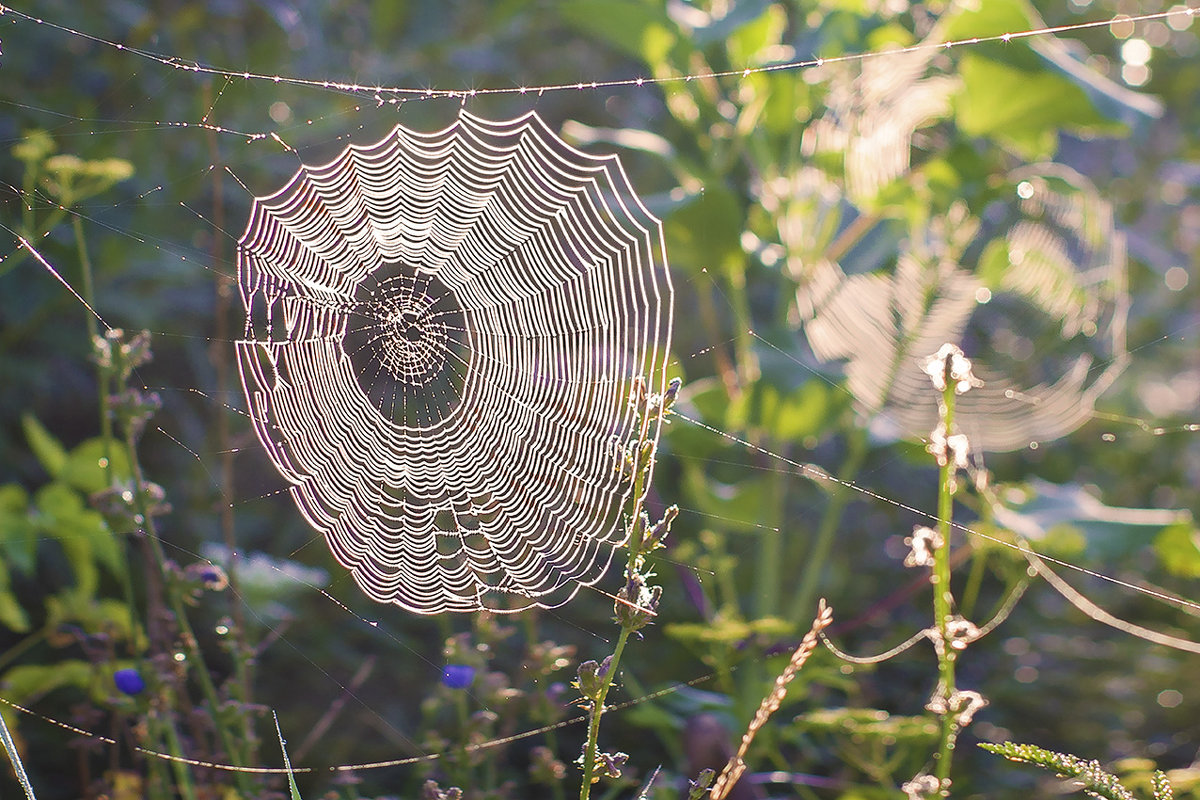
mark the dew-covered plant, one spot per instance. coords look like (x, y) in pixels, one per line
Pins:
(829, 227)
(1089, 776)
(636, 603)
(141, 660)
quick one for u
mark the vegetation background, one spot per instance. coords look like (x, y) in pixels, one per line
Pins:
(737, 592)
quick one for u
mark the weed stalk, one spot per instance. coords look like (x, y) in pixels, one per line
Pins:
(943, 597)
(636, 602)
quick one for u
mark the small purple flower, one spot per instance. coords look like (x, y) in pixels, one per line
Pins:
(129, 681)
(555, 692)
(210, 576)
(458, 676)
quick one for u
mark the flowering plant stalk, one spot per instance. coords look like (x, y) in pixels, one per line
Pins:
(636, 602)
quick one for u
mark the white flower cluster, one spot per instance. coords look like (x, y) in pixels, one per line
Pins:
(960, 632)
(960, 369)
(946, 448)
(921, 787)
(924, 543)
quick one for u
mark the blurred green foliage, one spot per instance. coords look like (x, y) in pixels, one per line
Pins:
(754, 205)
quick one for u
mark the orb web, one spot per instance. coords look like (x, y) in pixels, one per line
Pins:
(406, 340)
(443, 331)
(1042, 315)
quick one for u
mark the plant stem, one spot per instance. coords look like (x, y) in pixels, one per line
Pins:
(219, 355)
(739, 301)
(643, 465)
(190, 641)
(104, 390)
(597, 710)
(770, 550)
(104, 382)
(463, 770)
(14, 758)
(183, 778)
(804, 598)
(943, 598)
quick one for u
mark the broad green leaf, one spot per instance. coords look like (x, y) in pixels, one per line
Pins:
(746, 45)
(792, 415)
(1111, 532)
(738, 15)
(728, 629)
(993, 264)
(859, 7)
(869, 723)
(1178, 548)
(1025, 110)
(788, 102)
(49, 452)
(889, 37)
(991, 18)
(74, 607)
(704, 400)
(731, 506)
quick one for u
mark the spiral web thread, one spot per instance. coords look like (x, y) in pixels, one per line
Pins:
(443, 332)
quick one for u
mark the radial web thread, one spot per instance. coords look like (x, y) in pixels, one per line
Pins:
(443, 332)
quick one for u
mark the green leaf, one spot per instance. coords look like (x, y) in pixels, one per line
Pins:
(84, 468)
(18, 532)
(12, 615)
(870, 723)
(993, 18)
(809, 410)
(755, 27)
(706, 233)
(624, 24)
(73, 607)
(1096, 781)
(994, 264)
(788, 103)
(82, 532)
(1111, 532)
(49, 452)
(1178, 548)
(28, 681)
(734, 506)
(1025, 110)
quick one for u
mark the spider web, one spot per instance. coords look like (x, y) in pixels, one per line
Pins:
(1042, 316)
(443, 332)
(401, 343)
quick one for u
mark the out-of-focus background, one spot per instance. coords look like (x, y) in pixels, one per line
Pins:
(819, 221)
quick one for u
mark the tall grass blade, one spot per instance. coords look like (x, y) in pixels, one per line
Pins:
(287, 762)
(10, 747)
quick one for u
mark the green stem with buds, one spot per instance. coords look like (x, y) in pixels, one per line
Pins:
(634, 604)
(187, 634)
(943, 597)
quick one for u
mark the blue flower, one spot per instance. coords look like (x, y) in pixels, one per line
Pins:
(129, 681)
(458, 676)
